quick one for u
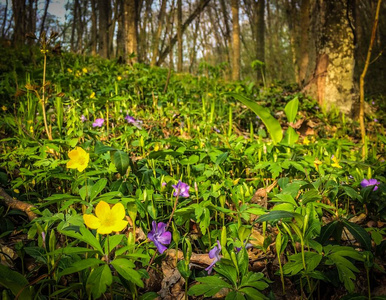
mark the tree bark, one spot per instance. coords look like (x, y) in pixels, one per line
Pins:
(304, 40)
(44, 17)
(195, 13)
(332, 81)
(260, 35)
(157, 36)
(94, 28)
(131, 30)
(104, 18)
(235, 40)
(179, 36)
(19, 14)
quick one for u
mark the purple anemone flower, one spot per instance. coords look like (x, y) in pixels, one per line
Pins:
(215, 255)
(98, 123)
(131, 120)
(159, 236)
(370, 182)
(181, 189)
(83, 118)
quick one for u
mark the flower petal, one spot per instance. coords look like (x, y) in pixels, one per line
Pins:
(165, 238)
(118, 211)
(161, 228)
(119, 225)
(91, 221)
(72, 165)
(73, 154)
(105, 230)
(212, 253)
(102, 210)
(161, 248)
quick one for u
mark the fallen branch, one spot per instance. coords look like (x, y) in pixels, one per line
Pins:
(16, 204)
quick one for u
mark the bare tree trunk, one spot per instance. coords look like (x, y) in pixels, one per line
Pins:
(44, 17)
(332, 81)
(235, 40)
(94, 28)
(5, 19)
(121, 30)
(179, 35)
(157, 36)
(304, 40)
(131, 30)
(195, 13)
(227, 36)
(260, 35)
(193, 52)
(74, 23)
(104, 18)
(19, 15)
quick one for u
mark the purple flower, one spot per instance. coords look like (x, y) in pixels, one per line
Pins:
(133, 121)
(375, 120)
(83, 118)
(181, 189)
(215, 255)
(373, 102)
(217, 130)
(246, 245)
(316, 107)
(370, 182)
(159, 236)
(163, 184)
(98, 123)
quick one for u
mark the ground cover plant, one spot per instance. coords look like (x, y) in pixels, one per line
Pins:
(119, 183)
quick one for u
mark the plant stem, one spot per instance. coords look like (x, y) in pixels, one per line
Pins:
(44, 97)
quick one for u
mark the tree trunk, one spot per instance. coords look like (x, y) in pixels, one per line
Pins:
(19, 15)
(131, 30)
(260, 35)
(235, 40)
(179, 35)
(104, 18)
(332, 82)
(157, 36)
(94, 28)
(304, 40)
(194, 14)
(121, 30)
(74, 21)
(44, 17)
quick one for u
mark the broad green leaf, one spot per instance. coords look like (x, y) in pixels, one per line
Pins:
(97, 188)
(81, 265)
(273, 125)
(209, 286)
(15, 282)
(99, 280)
(310, 196)
(234, 295)
(285, 198)
(275, 216)
(291, 109)
(149, 296)
(112, 241)
(121, 161)
(191, 160)
(71, 250)
(221, 158)
(126, 269)
(252, 293)
(290, 137)
(100, 148)
(359, 233)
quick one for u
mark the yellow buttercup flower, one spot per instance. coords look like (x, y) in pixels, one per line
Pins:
(317, 163)
(69, 70)
(336, 163)
(119, 78)
(92, 96)
(306, 141)
(84, 70)
(107, 219)
(4, 108)
(78, 159)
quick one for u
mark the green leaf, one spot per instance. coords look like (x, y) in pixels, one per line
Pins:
(81, 265)
(234, 295)
(191, 160)
(311, 196)
(291, 109)
(98, 281)
(100, 148)
(15, 282)
(126, 269)
(112, 242)
(290, 137)
(70, 250)
(285, 198)
(252, 293)
(276, 215)
(149, 296)
(121, 161)
(209, 286)
(359, 233)
(273, 125)
(221, 158)
(97, 188)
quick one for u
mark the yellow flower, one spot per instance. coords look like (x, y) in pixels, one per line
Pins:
(84, 70)
(306, 141)
(317, 163)
(4, 108)
(16, 191)
(106, 220)
(78, 73)
(69, 70)
(31, 129)
(92, 96)
(210, 95)
(336, 163)
(119, 78)
(78, 159)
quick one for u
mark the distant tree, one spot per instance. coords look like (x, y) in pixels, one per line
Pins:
(104, 10)
(332, 60)
(131, 41)
(235, 40)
